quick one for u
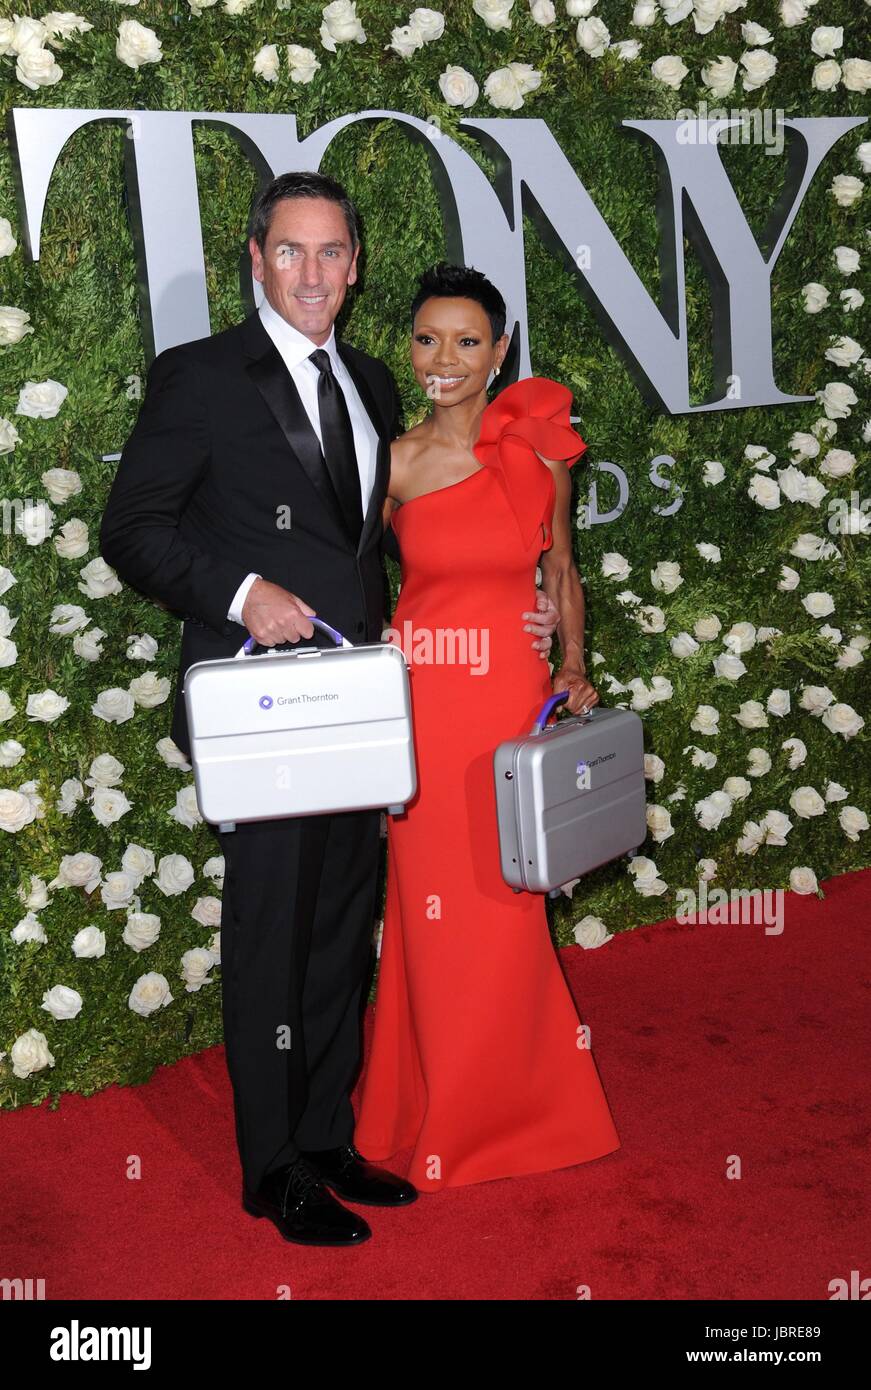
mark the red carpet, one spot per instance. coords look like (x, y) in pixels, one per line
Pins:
(711, 1041)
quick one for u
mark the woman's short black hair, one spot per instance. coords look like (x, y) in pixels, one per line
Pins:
(303, 183)
(446, 281)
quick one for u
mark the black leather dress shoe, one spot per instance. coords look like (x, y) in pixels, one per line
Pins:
(354, 1178)
(295, 1199)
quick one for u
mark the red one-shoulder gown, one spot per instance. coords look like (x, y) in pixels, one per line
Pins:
(478, 1062)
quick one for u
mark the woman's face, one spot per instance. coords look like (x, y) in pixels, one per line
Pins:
(452, 349)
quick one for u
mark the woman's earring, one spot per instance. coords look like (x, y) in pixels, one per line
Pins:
(496, 371)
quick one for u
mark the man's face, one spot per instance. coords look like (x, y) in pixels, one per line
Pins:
(307, 264)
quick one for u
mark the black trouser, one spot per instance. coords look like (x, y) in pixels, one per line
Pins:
(297, 925)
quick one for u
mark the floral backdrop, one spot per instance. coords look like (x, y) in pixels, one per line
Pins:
(734, 622)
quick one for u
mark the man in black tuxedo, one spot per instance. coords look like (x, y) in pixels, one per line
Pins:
(275, 417)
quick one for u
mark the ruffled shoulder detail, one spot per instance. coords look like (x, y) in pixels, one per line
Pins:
(529, 417)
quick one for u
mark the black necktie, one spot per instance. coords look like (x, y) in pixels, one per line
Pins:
(337, 434)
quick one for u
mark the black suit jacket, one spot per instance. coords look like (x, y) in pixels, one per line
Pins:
(223, 475)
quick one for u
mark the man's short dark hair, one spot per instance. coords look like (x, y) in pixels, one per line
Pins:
(446, 281)
(302, 184)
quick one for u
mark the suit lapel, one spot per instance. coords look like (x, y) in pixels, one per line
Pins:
(266, 368)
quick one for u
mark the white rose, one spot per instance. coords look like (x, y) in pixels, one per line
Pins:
(138, 861)
(667, 576)
(592, 36)
(186, 810)
(24, 33)
(457, 86)
(175, 873)
(683, 646)
(37, 67)
(105, 771)
(857, 74)
(818, 604)
(302, 63)
(46, 706)
(117, 888)
(711, 810)
(542, 12)
(673, 11)
(13, 324)
(807, 546)
(719, 77)
(136, 44)
(644, 14)
(150, 690)
(707, 869)
(863, 154)
(141, 647)
(626, 49)
(431, 23)
(11, 751)
(844, 351)
(846, 259)
(778, 702)
(496, 14)
(853, 822)
(16, 810)
(405, 40)
(659, 823)
(37, 896)
(61, 483)
(109, 804)
(78, 871)
(654, 767)
(99, 579)
(71, 542)
(67, 618)
(34, 521)
(215, 868)
(63, 25)
(851, 299)
(807, 802)
(846, 189)
(803, 880)
(751, 715)
(835, 792)
(825, 39)
(758, 762)
(577, 9)
(707, 628)
(615, 565)
(755, 34)
(151, 992)
(87, 644)
(89, 943)
(591, 932)
(265, 63)
(114, 705)
(28, 929)
(61, 1002)
(816, 297)
(738, 788)
(706, 720)
(842, 719)
(502, 90)
(669, 69)
(803, 446)
(29, 1053)
(764, 491)
(650, 619)
(728, 666)
(837, 398)
(711, 553)
(172, 754)
(797, 752)
(141, 930)
(826, 75)
(776, 826)
(815, 699)
(207, 911)
(195, 967)
(794, 12)
(740, 637)
(759, 67)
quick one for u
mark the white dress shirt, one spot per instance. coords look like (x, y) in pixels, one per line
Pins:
(295, 349)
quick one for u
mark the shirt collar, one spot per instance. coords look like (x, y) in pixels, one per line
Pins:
(294, 346)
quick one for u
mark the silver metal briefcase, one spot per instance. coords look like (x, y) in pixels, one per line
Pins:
(303, 732)
(569, 797)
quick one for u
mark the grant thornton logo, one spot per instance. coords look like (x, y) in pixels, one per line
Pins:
(265, 702)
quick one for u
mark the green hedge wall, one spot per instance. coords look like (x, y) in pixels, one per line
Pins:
(82, 305)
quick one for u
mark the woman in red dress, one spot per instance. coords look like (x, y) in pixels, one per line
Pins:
(478, 1060)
